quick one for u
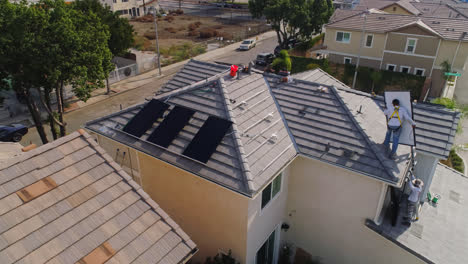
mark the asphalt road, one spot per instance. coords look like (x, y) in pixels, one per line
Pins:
(78, 118)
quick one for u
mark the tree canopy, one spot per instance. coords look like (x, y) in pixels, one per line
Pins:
(293, 19)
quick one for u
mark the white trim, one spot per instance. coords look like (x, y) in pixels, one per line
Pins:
(413, 35)
(437, 54)
(415, 44)
(352, 55)
(409, 54)
(344, 42)
(389, 64)
(404, 66)
(422, 69)
(350, 60)
(275, 244)
(372, 42)
(383, 193)
(270, 202)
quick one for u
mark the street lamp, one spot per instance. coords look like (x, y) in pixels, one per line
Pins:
(360, 46)
(152, 10)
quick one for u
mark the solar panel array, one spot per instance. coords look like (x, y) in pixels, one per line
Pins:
(202, 146)
(171, 126)
(207, 139)
(145, 118)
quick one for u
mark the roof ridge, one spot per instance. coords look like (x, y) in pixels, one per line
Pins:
(237, 138)
(338, 20)
(372, 146)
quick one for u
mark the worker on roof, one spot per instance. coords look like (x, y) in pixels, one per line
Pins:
(396, 115)
(413, 200)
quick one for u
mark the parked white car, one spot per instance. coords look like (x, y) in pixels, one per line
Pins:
(247, 44)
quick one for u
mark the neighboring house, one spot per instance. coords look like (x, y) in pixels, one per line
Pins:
(248, 164)
(129, 8)
(69, 202)
(402, 43)
(345, 4)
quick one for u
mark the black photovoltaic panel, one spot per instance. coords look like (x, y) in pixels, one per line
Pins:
(171, 126)
(144, 119)
(207, 139)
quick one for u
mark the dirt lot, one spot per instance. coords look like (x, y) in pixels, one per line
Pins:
(181, 29)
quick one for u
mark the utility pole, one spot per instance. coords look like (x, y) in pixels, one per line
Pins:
(153, 10)
(360, 47)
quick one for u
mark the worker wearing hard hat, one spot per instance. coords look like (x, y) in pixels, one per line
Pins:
(396, 115)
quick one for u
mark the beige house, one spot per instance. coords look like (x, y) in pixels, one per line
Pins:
(257, 166)
(403, 43)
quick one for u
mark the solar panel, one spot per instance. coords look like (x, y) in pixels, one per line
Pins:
(144, 119)
(171, 126)
(207, 139)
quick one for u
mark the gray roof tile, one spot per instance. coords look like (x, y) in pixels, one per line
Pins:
(91, 204)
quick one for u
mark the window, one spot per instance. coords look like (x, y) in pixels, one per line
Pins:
(391, 67)
(369, 40)
(114, 1)
(266, 253)
(124, 1)
(343, 37)
(347, 60)
(271, 190)
(394, 8)
(419, 71)
(410, 45)
(404, 69)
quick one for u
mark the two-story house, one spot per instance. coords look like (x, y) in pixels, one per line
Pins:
(409, 44)
(252, 163)
(130, 8)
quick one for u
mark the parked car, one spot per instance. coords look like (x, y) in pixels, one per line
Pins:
(264, 58)
(12, 133)
(247, 44)
(277, 50)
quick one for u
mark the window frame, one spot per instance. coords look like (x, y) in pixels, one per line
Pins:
(421, 69)
(115, 2)
(344, 32)
(389, 64)
(350, 60)
(415, 44)
(277, 238)
(372, 41)
(403, 66)
(272, 198)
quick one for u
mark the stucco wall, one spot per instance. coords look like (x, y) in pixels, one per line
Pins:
(424, 46)
(461, 89)
(214, 217)
(328, 207)
(262, 222)
(447, 51)
(363, 62)
(353, 46)
(407, 60)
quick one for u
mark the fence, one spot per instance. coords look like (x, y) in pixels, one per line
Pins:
(123, 73)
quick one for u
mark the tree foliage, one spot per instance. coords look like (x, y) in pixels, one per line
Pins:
(293, 19)
(48, 45)
(282, 62)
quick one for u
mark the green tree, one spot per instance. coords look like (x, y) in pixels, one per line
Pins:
(22, 39)
(293, 19)
(121, 32)
(282, 62)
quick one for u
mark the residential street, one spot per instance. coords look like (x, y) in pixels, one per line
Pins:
(77, 118)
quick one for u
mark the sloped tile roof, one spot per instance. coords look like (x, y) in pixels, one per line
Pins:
(240, 162)
(192, 72)
(325, 125)
(436, 125)
(90, 204)
(447, 28)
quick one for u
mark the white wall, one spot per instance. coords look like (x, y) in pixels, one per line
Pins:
(327, 208)
(262, 222)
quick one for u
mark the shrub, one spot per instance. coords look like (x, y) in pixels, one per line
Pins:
(300, 64)
(193, 33)
(283, 62)
(449, 103)
(169, 18)
(150, 35)
(171, 30)
(208, 33)
(192, 27)
(179, 12)
(198, 23)
(312, 66)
